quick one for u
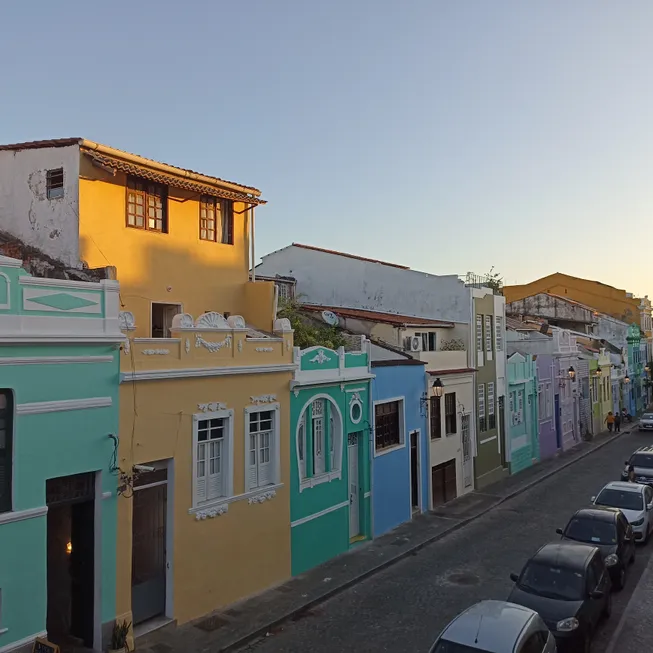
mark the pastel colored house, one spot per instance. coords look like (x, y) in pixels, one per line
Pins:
(565, 351)
(59, 376)
(330, 503)
(205, 370)
(400, 468)
(549, 431)
(635, 371)
(524, 448)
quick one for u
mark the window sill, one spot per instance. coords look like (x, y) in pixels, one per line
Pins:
(220, 506)
(306, 483)
(388, 450)
(4, 630)
(20, 515)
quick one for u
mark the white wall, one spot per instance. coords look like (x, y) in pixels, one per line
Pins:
(613, 330)
(25, 211)
(333, 280)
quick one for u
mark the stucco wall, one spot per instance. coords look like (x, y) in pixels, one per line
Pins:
(547, 384)
(391, 474)
(25, 210)
(332, 280)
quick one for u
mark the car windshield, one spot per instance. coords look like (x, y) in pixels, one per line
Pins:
(444, 646)
(647, 416)
(641, 460)
(620, 499)
(552, 582)
(593, 531)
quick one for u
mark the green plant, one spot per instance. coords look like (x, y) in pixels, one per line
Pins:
(119, 635)
(307, 332)
(495, 281)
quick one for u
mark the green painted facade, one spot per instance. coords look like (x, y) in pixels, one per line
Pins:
(60, 379)
(330, 424)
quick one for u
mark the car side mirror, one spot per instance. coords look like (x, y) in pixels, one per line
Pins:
(626, 462)
(514, 577)
(559, 531)
(649, 506)
(593, 499)
(597, 594)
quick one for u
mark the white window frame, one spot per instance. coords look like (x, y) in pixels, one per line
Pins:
(275, 452)
(479, 334)
(548, 398)
(541, 404)
(402, 425)
(319, 453)
(488, 337)
(491, 400)
(498, 332)
(226, 456)
(481, 400)
(301, 455)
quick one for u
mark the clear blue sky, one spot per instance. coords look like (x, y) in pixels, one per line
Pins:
(445, 135)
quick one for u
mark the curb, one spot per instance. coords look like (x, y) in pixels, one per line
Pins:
(263, 630)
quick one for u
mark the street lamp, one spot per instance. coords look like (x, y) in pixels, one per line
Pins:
(572, 373)
(598, 371)
(438, 388)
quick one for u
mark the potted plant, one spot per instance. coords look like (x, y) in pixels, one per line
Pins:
(119, 637)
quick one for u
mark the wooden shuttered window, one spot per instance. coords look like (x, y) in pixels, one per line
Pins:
(211, 450)
(147, 205)
(261, 444)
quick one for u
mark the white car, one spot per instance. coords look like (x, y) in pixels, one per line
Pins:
(646, 422)
(634, 500)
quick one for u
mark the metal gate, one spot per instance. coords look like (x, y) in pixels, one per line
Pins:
(148, 545)
(467, 451)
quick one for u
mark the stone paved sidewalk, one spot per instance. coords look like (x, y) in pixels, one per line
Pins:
(238, 624)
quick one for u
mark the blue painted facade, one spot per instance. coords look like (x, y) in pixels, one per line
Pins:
(59, 379)
(393, 496)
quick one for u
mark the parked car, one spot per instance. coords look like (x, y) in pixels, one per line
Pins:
(642, 462)
(634, 500)
(646, 422)
(496, 627)
(609, 531)
(569, 586)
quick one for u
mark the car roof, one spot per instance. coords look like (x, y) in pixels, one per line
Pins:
(624, 487)
(599, 513)
(565, 554)
(490, 625)
(647, 449)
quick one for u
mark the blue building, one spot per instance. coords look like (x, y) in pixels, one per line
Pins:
(399, 439)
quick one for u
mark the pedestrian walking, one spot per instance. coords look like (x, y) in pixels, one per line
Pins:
(617, 423)
(609, 420)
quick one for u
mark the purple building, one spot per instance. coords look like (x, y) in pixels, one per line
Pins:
(550, 442)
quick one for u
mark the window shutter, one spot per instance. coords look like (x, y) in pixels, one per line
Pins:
(214, 480)
(201, 485)
(481, 400)
(301, 447)
(253, 474)
(490, 399)
(318, 445)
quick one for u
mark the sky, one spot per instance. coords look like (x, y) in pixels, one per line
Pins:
(449, 136)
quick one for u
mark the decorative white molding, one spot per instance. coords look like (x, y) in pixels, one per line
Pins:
(264, 399)
(288, 346)
(212, 407)
(261, 349)
(20, 515)
(211, 320)
(320, 358)
(6, 304)
(126, 321)
(187, 346)
(18, 644)
(236, 322)
(93, 301)
(306, 483)
(282, 325)
(219, 505)
(260, 498)
(355, 397)
(155, 352)
(199, 372)
(240, 345)
(108, 495)
(316, 515)
(210, 513)
(7, 262)
(54, 360)
(212, 346)
(38, 407)
(182, 321)
(128, 346)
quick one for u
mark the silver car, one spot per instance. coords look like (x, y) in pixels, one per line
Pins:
(496, 627)
(646, 422)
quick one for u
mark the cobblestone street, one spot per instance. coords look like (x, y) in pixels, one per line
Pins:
(403, 608)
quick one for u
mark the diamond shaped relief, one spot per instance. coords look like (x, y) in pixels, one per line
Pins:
(62, 301)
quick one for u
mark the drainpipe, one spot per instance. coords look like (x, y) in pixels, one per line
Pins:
(251, 236)
(370, 421)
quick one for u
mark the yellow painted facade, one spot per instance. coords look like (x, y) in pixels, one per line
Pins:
(604, 298)
(223, 555)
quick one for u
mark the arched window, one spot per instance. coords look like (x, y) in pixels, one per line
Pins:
(319, 441)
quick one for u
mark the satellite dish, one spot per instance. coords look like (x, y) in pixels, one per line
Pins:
(330, 318)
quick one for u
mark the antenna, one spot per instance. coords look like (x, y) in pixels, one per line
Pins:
(478, 630)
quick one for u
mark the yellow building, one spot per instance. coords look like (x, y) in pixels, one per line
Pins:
(606, 299)
(203, 517)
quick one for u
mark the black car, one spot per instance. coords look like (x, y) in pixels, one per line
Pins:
(607, 529)
(569, 586)
(642, 462)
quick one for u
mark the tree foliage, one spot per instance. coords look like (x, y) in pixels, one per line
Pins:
(309, 333)
(495, 281)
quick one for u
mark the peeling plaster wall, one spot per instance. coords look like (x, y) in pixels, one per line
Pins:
(613, 330)
(26, 213)
(546, 306)
(332, 280)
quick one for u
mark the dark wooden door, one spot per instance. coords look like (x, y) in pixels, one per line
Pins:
(82, 570)
(149, 552)
(414, 470)
(443, 481)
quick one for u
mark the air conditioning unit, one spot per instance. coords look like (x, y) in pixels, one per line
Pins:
(415, 343)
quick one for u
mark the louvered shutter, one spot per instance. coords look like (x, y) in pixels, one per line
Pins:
(265, 459)
(253, 455)
(200, 484)
(214, 465)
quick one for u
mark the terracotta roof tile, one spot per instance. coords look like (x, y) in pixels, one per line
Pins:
(359, 258)
(376, 316)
